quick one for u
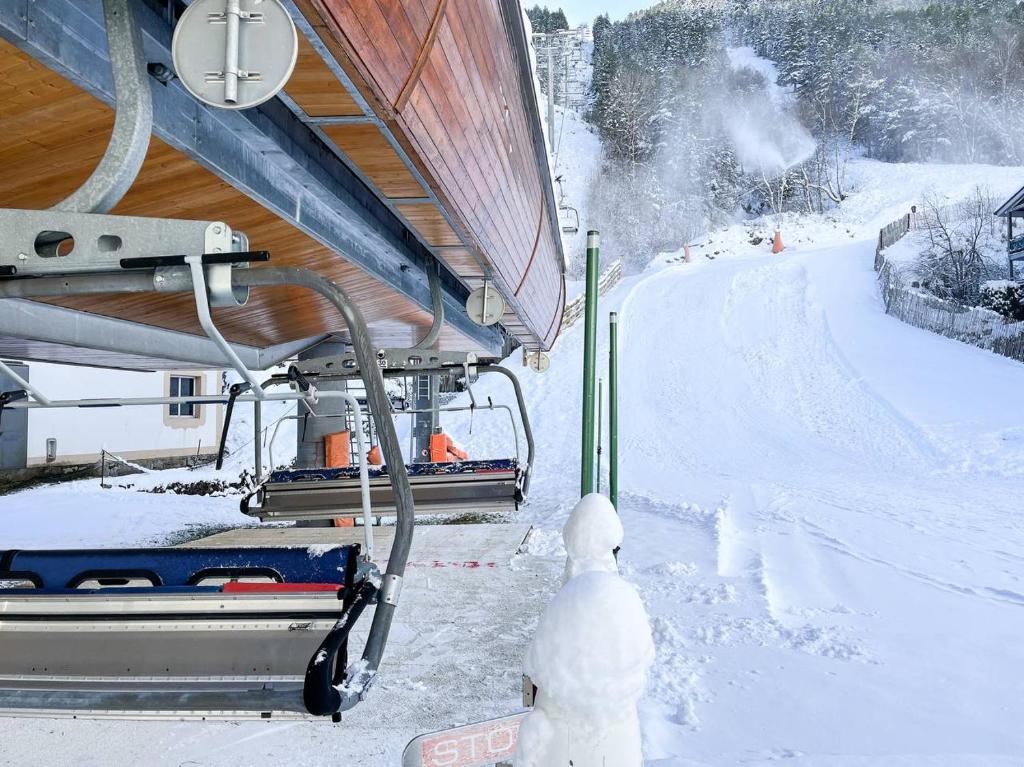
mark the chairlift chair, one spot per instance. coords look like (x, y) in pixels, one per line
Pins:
(569, 219)
(568, 216)
(442, 487)
(183, 632)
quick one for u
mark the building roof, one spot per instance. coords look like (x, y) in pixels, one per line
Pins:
(1013, 206)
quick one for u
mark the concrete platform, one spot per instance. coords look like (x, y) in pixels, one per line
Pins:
(434, 546)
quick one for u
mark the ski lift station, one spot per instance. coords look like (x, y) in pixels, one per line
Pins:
(224, 204)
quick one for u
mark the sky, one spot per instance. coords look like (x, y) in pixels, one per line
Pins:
(584, 11)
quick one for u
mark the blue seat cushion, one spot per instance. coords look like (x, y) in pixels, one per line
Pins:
(415, 470)
(120, 590)
(178, 567)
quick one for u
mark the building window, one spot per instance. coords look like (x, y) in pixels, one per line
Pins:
(183, 386)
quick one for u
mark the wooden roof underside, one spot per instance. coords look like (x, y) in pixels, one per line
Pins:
(52, 134)
(454, 90)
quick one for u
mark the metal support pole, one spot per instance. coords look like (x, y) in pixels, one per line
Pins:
(257, 422)
(328, 416)
(600, 414)
(589, 362)
(232, 16)
(551, 94)
(613, 409)
(426, 421)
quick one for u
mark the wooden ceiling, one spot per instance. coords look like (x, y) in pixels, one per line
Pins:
(52, 134)
(450, 82)
(422, 99)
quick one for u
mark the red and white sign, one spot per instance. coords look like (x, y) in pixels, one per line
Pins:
(474, 745)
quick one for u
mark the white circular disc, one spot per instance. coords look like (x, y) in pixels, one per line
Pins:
(539, 362)
(268, 45)
(495, 306)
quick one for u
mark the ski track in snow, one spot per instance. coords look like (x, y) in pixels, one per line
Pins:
(825, 511)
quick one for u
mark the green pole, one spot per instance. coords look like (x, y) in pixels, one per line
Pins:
(590, 363)
(613, 409)
(600, 434)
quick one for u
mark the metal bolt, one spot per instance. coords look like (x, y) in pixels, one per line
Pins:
(22, 257)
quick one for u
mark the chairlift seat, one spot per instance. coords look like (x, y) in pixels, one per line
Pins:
(569, 219)
(438, 488)
(209, 632)
(176, 567)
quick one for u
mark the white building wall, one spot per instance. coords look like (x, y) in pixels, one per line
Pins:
(131, 432)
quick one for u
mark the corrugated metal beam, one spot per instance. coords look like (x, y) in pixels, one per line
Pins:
(267, 153)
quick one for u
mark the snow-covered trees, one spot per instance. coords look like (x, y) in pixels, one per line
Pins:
(936, 82)
(682, 125)
(545, 20)
(961, 239)
(663, 161)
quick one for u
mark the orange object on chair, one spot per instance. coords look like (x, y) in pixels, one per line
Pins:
(375, 457)
(338, 455)
(338, 450)
(443, 450)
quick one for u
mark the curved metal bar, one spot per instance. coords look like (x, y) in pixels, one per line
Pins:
(38, 395)
(531, 449)
(380, 408)
(233, 394)
(195, 265)
(364, 469)
(133, 123)
(437, 301)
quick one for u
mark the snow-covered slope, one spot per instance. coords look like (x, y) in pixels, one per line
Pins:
(577, 163)
(821, 503)
(822, 513)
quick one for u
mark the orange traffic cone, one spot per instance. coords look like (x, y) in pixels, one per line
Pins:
(777, 246)
(686, 254)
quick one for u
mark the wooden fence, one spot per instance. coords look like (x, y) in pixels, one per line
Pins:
(889, 236)
(575, 309)
(970, 325)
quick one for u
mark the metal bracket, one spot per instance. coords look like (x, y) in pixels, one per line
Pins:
(6, 370)
(133, 122)
(231, 75)
(49, 242)
(390, 589)
(396, 360)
